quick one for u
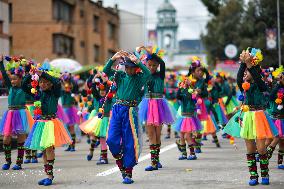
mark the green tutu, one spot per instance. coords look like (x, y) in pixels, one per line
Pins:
(101, 127)
(232, 104)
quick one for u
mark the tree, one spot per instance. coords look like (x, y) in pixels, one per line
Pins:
(249, 29)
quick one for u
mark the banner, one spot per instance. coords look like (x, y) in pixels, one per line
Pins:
(271, 38)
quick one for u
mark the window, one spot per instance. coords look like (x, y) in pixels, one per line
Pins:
(111, 31)
(10, 13)
(63, 44)
(82, 44)
(96, 22)
(62, 11)
(1, 27)
(96, 53)
(82, 13)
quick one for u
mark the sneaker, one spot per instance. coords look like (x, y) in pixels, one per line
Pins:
(192, 157)
(167, 137)
(198, 150)
(68, 149)
(97, 144)
(224, 135)
(72, 149)
(127, 180)
(280, 166)
(6, 166)
(27, 161)
(182, 157)
(89, 141)
(253, 182)
(41, 182)
(102, 162)
(151, 168)
(159, 165)
(34, 160)
(204, 138)
(17, 167)
(47, 182)
(265, 180)
(89, 157)
(39, 155)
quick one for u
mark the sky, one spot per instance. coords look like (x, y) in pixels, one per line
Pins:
(192, 15)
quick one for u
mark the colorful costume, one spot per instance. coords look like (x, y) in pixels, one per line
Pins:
(17, 120)
(123, 134)
(252, 122)
(187, 122)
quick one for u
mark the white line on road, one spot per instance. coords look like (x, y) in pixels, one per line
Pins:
(143, 158)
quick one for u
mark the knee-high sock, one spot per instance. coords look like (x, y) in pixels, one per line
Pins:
(251, 161)
(73, 137)
(7, 152)
(49, 167)
(154, 155)
(21, 152)
(119, 162)
(158, 151)
(264, 162)
(270, 150)
(34, 154)
(92, 146)
(28, 154)
(191, 149)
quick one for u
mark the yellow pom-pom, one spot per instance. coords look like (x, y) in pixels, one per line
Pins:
(101, 110)
(33, 91)
(278, 101)
(81, 105)
(245, 108)
(232, 141)
(89, 103)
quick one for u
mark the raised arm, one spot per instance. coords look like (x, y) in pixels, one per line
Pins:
(107, 69)
(145, 70)
(240, 76)
(162, 68)
(26, 84)
(56, 84)
(5, 76)
(257, 78)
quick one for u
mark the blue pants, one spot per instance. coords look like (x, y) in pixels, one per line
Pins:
(123, 134)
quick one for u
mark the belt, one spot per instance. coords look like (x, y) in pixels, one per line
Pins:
(255, 107)
(187, 114)
(154, 95)
(130, 103)
(48, 117)
(277, 116)
(17, 107)
(29, 102)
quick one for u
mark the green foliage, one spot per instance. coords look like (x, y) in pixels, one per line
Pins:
(243, 25)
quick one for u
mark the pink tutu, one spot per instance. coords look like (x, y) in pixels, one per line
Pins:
(155, 112)
(279, 123)
(204, 115)
(61, 114)
(188, 125)
(71, 112)
(16, 122)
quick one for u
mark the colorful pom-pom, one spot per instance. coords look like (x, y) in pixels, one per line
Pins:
(33, 91)
(110, 95)
(278, 101)
(72, 95)
(190, 91)
(89, 91)
(81, 105)
(79, 113)
(241, 98)
(280, 107)
(97, 80)
(198, 111)
(100, 115)
(245, 108)
(246, 86)
(101, 110)
(85, 99)
(89, 103)
(199, 101)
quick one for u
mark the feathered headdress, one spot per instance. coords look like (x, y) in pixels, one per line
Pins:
(195, 62)
(256, 54)
(278, 71)
(15, 65)
(150, 52)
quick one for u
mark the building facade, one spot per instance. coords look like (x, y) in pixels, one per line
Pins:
(4, 27)
(167, 27)
(82, 30)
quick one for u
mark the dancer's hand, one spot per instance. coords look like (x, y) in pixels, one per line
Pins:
(133, 58)
(119, 55)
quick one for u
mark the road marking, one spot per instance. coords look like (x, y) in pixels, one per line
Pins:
(143, 158)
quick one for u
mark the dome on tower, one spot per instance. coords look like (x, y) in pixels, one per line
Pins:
(166, 6)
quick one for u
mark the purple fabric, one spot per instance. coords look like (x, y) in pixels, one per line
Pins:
(71, 112)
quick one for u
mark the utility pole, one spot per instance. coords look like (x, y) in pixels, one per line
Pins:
(279, 33)
(145, 22)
